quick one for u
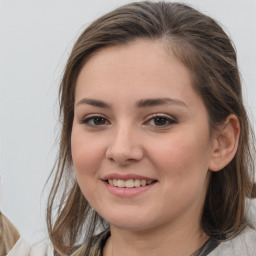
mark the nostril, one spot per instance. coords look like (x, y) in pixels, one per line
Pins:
(124, 155)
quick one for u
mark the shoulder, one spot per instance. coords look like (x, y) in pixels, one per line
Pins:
(44, 248)
(242, 245)
(21, 248)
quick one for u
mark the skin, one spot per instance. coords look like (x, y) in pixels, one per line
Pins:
(177, 153)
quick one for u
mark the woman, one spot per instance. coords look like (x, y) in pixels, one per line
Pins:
(154, 150)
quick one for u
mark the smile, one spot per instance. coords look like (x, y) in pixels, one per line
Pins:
(130, 183)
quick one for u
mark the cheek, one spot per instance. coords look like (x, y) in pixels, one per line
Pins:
(86, 154)
(183, 168)
(183, 157)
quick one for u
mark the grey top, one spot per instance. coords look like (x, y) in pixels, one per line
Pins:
(242, 245)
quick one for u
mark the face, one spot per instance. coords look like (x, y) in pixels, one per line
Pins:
(140, 138)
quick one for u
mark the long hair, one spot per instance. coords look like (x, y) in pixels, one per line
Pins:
(8, 235)
(204, 48)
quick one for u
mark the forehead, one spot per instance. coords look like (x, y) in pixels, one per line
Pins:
(141, 62)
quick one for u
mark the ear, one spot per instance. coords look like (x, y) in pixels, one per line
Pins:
(225, 143)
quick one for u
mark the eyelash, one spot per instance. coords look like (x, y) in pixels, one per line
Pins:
(168, 121)
(87, 120)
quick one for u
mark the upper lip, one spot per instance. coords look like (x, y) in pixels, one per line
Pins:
(130, 176)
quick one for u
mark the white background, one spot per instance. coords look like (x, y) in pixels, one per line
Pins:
(35, 40)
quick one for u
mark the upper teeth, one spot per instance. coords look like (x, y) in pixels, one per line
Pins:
(129, 183)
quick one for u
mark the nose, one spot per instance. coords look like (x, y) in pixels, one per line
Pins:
(124, 147)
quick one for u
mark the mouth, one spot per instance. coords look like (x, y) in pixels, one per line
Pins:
(130, 183)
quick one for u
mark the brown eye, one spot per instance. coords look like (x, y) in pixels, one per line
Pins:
(160, 121)
(95, 121)
(98, 120)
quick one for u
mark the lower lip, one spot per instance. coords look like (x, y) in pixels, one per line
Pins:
(127, 192)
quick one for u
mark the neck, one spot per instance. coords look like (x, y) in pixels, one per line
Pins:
(159, 241)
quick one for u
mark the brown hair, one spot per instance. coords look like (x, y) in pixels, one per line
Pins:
(202, 45)
(8, 235)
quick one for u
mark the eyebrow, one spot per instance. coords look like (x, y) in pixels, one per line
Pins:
(95, 103)
(159, 101)
(140, 104)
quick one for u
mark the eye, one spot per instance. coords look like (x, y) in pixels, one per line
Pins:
(95, 121)
(161, 121)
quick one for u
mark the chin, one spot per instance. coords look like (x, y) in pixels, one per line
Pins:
(131, 222)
